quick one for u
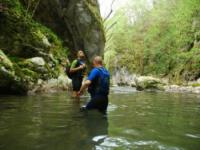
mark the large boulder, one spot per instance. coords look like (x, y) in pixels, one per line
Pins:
(51, 85)
(148, 82)
(77, 22)
(38, 61)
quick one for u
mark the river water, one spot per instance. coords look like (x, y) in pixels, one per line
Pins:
(135, 120)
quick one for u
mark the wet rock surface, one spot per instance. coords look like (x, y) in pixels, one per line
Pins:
(77, 22)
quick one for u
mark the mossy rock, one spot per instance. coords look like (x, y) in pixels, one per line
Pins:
(147, 82)
(4, 61)
(10, 80)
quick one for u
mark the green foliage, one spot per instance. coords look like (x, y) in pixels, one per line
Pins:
(157, 39)
(22, 38)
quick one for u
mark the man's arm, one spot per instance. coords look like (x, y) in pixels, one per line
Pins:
(93, 74)
(85, 85)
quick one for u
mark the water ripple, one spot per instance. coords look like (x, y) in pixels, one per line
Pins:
(98, 138)
(193, 136)
(122, 143)
(112, 107)
(115, 142)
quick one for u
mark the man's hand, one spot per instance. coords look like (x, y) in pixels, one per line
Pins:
(84, 86)
(79, 93)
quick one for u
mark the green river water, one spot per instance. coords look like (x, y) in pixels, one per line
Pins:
(136, 120)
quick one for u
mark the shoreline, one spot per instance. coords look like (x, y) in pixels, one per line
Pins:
(145, 83)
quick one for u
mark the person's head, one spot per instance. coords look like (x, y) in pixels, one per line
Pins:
(80, 54)
(97, 61)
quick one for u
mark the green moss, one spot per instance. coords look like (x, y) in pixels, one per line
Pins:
(4, 61)
(196, 85)
(18, 30)
(31, 74)
(21, 38)
(92, 7)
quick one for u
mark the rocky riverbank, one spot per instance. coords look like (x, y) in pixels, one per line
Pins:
(51, 86)
(123, 78)
(30, 76)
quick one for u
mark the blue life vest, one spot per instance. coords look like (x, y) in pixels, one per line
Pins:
(100, 85)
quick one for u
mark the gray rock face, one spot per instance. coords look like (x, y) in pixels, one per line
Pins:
(77, 22)
(39, 61)
(122, 77)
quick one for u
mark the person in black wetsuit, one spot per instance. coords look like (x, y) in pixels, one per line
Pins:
(98, 83)
(77, 71)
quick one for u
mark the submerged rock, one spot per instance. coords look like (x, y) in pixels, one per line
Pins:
(182, 89)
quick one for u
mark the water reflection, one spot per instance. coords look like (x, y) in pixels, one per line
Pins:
(96, 127)
(93, 126)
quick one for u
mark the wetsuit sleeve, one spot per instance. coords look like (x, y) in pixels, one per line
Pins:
(73, 65)
(93, 74)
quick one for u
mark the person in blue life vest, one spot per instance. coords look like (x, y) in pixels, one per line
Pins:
(77, 71)
(98, 83)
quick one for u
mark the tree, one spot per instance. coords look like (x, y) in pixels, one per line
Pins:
(156, 37)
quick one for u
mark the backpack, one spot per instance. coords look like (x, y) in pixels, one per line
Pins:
(100, 86)
(104, 81)
(67, 71)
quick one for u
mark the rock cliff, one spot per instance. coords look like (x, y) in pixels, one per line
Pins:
(36, 38)
(77, 22)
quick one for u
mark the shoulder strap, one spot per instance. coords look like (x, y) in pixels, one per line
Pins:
(100, 69)
(77, 62)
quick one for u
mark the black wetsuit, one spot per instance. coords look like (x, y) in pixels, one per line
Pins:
(77, 77)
